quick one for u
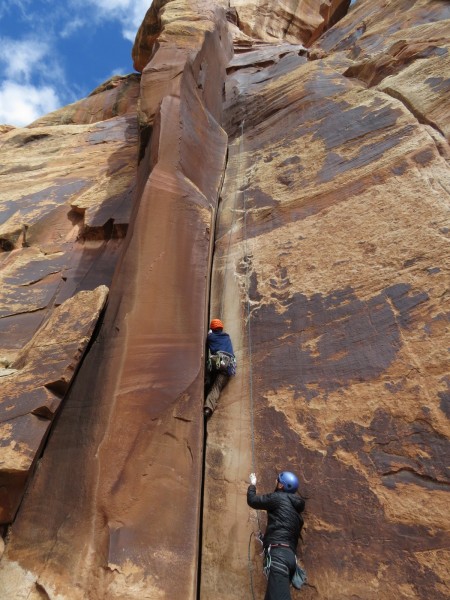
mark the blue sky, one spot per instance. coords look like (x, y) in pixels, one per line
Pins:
(55, 52)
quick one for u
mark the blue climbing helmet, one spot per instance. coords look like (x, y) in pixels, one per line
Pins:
(289, 481)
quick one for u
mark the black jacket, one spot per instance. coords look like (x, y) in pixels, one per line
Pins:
(284, 519)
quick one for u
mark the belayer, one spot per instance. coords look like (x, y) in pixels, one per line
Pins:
(284, 524)
(221, 364)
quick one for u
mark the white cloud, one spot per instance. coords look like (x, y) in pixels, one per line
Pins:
(129, 13)
(7, 5)
(71, 26)
(22, 104)
(32, 77)
(29, 77)
(118, 71)
(21, 58)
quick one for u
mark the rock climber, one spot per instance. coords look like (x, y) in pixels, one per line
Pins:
(221, 364)
(284, 524)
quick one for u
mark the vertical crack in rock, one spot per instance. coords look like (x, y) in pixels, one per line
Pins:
(330, 249)
(421, 118)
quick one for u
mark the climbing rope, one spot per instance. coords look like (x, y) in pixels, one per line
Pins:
(250, 354)
(230, 233)
(249, 328)
(249, 331)
(250, 564)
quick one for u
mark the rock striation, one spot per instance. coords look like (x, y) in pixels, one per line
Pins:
(32, 390)
(292, 159)
(65, 205)
(332, 256)
(116, 97)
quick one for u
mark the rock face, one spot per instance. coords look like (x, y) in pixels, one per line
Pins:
(116, 97)
(133, 415)
(332, 257)
(330, 268)
(291, 20)
(65, 203)
(33, 389)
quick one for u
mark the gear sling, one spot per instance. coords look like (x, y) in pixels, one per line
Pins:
(222, 362)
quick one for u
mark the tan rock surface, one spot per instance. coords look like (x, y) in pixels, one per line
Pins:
(65, 203)
(424, 88)
(116, 97)
(407, 58)
(292, 20)
(132, 428)
(368, 27)
(330, 270)
(32, 393)
(332, 267)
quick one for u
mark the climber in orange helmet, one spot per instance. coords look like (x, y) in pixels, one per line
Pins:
(221, 364)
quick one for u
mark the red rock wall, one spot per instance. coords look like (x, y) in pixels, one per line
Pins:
(127, 510)
(65, 203)
(117, 96)
(334, 288)
(330, 270)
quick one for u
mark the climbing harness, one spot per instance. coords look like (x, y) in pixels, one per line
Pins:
(267, 562)
(271, 563)
(298, 579)
(222, 362)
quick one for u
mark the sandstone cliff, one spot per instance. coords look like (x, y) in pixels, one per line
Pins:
(282, 165)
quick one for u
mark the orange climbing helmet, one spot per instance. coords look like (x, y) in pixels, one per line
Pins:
(216, 324)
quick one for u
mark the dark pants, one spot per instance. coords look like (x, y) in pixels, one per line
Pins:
(219, 383)
(282, 569)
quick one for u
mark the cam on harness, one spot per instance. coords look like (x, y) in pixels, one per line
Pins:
(222, 362)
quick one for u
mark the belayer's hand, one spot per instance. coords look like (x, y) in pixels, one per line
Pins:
(253, 478)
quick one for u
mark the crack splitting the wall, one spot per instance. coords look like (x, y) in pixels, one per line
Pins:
(420, 117)
(205, 429)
